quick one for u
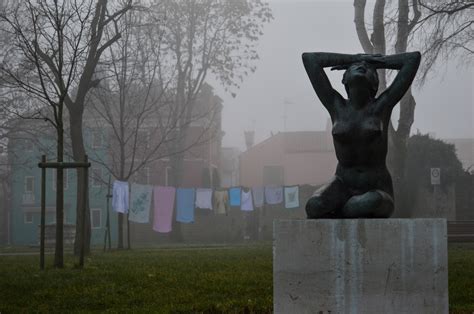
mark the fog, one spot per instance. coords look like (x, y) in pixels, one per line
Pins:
(280, 87)
(124, 164)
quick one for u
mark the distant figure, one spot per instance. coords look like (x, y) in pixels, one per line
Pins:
(362, 186)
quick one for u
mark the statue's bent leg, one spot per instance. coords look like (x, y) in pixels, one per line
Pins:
(372, 204)
(327, 201)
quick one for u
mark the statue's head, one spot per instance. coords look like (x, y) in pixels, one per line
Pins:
(361, 73)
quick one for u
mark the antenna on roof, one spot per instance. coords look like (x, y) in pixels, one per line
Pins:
(286, 102)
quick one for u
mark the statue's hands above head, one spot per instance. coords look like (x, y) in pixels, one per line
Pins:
(377, 60)
(340, 67)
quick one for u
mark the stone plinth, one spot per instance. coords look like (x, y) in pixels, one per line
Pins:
(360, 266)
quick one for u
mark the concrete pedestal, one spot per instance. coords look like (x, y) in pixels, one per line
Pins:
(360, 266)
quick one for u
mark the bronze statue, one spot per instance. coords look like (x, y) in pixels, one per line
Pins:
(362, 186)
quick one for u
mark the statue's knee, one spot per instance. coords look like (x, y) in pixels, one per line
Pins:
(386, 207)
(315, 207)
(373, 204)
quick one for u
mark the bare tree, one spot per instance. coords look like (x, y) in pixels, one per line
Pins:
(202, 39)
(36, 63)
(397, 26)
(132, 103)
(377, 43)
(101, 20)
(209, 37)
(51, 55)
(445, 29)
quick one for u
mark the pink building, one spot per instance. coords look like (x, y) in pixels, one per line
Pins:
(290, 158)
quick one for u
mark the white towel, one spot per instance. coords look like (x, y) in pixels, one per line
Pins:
(120, 197)
(273, 195)
(246, 201)
(204, 198)
(292, 198)
(258, 196)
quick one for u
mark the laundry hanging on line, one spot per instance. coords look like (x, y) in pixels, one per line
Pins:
(273, 195)
(120, 197)
(258, 194)
(163, 201)
(140, 202)
(204, 198)
(185, 199)
(292, 198)
(221, 202)
(246, 200)
(234, 196)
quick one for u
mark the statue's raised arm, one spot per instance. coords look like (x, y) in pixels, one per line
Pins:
(407, 64)
(314, 63)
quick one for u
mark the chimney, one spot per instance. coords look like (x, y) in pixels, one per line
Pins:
(249, 138)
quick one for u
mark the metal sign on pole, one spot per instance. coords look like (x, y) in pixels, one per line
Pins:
(435, 176)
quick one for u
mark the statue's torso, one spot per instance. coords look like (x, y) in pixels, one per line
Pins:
(360, 141)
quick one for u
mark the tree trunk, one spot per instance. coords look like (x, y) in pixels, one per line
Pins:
(78, 151)
(177, 163)
(122, 173)
(377, 44)
(399, 147)
(407, 113)
(120, 231)
(5, 208)
(58, 253)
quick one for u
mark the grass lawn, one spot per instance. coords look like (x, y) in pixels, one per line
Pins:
(236, 279)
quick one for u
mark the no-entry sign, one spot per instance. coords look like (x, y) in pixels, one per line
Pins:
(435, 176)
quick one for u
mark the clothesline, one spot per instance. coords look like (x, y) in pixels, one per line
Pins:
(136, 200)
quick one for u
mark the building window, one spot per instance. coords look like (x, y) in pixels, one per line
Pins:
(96, 218)
(29, 184)
(167, 176)
(96, 176)
(96, 139)
(65, 180)
(28, 218)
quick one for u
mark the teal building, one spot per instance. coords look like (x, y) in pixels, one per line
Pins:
(24, 154)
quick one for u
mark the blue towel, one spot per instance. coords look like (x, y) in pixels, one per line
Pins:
(234, 196)
(185, 205)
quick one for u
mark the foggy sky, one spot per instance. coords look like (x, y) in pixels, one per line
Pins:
(444, 103)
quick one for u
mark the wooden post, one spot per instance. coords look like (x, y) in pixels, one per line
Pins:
(83, 223)
(43, 211)
(107, 223)
(61, 165)
(128, 217)
(128, 230)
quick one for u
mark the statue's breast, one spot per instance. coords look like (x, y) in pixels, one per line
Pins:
(367, 130)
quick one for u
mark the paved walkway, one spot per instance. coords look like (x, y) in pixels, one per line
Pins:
(23, 253)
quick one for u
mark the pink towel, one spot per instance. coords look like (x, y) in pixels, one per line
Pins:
(163, 199)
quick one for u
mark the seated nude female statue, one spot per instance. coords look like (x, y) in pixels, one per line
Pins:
(362, 186)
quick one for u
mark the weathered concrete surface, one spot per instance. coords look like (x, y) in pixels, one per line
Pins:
(360, 266)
